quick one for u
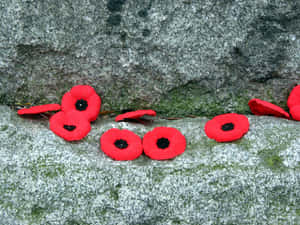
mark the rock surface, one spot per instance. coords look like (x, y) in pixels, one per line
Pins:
(45, 180)
(178, 57)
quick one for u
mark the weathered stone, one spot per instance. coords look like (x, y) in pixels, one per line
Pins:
(178, 57)
(46, 180)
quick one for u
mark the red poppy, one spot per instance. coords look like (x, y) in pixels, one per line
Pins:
(71, 126)
(260, 107)
(135, 114)
(294, 97)
(227, 127)
(121, 144)
(83, 99)
(40, 109)
(164, 143)
(295, 112)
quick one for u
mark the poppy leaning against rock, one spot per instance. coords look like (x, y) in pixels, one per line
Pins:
(39, 109)
(294, 97)
(260, 107)
(295, 112)
(227, 127)
(164, 143)
(135, 114)
(293, 103)
(71, 126)
(121, 144)
(84, 100)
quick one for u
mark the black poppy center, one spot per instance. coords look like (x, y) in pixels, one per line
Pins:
(227, 126)
(163, 143)
(121, 144)
(81, 105)
(69, 127)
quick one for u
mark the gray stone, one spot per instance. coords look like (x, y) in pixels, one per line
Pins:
(46, 180)
(178, 57)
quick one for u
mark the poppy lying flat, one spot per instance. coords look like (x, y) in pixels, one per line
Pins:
(135, 114)
(121, 144)
(227, 127)
(71, 126)
(295, 112)
(39, 109)
(83, 99)
(164, 143)
(260, 107)
(294, 97)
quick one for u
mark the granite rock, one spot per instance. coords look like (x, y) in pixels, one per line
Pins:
(46, 180)
(179, 57)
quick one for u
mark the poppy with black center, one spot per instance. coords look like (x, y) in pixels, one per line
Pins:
(39, 109)
(135, 114)
(71, 126)
(164, 143)
(121, 144)
(81, 105)
(227, 127)
(83, 99)
(260, 107)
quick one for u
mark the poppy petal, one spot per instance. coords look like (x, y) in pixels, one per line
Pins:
(39, 109)
(295, 112)
(71, 126)
(227, 127)
(260, 107)
(135, 114)
(294, 97)
(164, 143)
(83, 99)
(121, 144)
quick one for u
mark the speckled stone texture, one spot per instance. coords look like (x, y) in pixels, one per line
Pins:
(45, 180)
(179, 57)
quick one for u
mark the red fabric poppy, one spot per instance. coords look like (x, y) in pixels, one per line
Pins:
(83, 99)
(164, 143)
(227, 127)
(71, 126)
(294, 97)
(295, 112)
(260, 107)
(121, 144)
(135, 114)
(39, 109)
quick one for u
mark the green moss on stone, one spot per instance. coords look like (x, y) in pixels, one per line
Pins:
(274, 162)
(271, 159)
(114, 192)
(4, 128)
(194, 99)
(37, 212)
(43, 169)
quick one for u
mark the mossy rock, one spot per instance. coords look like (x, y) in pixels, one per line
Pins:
(46, 180)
